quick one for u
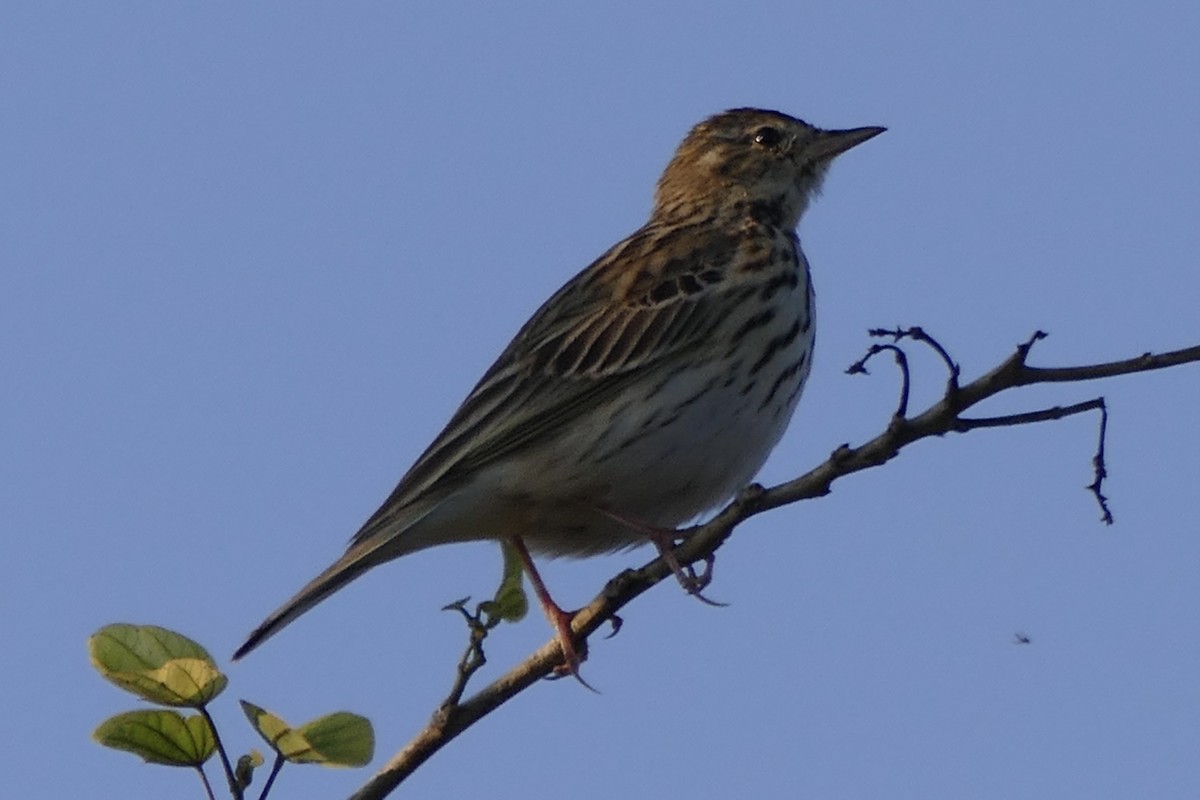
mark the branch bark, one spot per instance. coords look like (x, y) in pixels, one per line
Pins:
(702, 541)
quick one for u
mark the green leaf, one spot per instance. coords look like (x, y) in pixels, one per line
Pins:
(159, 737)
(510, 603)
(341, 739)
(273, 729)
(156, 664)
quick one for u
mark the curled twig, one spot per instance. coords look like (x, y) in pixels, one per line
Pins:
(860, 368)
(918, 334)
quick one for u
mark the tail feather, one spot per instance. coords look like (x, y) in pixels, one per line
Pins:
(372, 546)
(341, 572)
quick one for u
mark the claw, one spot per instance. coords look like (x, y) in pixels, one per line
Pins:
(664, 541)
(692, 583)
(695, 584)
(573, 656)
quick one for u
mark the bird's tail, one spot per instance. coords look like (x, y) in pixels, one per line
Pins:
(385, 536)
(357, 560)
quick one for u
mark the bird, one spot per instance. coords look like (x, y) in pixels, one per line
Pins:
(646, 391)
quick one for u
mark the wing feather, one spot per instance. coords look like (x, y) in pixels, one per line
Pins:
(648, 300)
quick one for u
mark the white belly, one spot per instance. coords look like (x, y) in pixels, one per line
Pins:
(671, 450)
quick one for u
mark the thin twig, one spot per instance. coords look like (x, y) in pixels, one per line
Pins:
(278, 765)
(234, 788)
(204, 780)
(918, 334)
(1146, 362)
(860, 368)
(473, 658)
(964, 424)
(1101, 471)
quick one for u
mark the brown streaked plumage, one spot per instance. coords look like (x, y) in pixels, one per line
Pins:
(647, 390)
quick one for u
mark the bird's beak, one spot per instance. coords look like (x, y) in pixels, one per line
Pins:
(832, 143)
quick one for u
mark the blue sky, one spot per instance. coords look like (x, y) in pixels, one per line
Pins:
(255, 255)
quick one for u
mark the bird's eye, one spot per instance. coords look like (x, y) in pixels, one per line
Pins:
(767, 136)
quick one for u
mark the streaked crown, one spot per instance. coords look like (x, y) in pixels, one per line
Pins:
(755, 158)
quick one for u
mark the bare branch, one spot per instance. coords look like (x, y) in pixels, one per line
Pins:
(1143, 363)
(701, 542)
(964, 424)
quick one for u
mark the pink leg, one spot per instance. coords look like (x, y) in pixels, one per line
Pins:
(561, 620)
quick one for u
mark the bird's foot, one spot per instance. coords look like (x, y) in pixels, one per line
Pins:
(573, 653)
(692, 583)
(664, 541)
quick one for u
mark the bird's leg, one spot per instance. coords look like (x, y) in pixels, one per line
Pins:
(573, 656)
(664, 542)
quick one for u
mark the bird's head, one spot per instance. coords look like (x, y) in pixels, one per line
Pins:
(765, 161)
